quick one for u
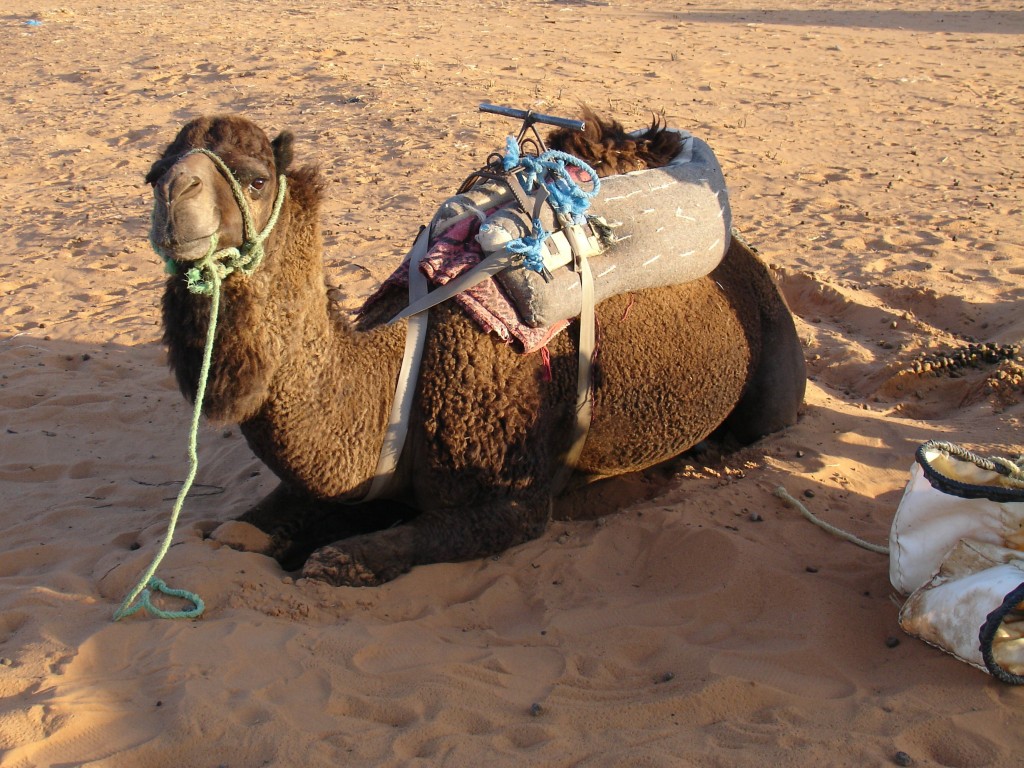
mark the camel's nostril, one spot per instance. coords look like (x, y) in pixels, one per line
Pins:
(183, 186)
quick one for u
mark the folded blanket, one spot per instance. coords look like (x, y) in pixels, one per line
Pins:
(486, 303)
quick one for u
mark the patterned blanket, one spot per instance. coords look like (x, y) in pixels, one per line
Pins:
(486, 303)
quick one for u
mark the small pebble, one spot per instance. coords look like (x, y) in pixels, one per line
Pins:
(536, 710)
(5, 662)
(902, 758)
(666, 677)
(891, 641)
(755, 517)
(811, 569)
(799, 454)
(809, 494)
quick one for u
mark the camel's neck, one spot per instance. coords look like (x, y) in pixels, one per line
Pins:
(322, 423)
(312, 395)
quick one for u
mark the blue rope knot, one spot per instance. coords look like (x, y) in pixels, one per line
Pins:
(531, 247)
(565, 194)
(512, 154)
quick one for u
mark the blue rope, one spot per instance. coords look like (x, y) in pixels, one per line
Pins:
(512, 154)
(530, 247)
(564, 194)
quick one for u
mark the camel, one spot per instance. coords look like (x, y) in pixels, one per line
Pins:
(311, 389)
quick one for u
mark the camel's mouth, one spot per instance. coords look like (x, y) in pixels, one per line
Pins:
(179, 236)
(185, 251)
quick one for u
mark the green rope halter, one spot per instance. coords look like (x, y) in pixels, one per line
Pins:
(216, 265)
(246, 257)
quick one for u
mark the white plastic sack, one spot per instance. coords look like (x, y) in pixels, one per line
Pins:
(957, 545)
(973, 608)
(976, 504)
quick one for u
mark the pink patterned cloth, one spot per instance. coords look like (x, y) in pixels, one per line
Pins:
(486, 303)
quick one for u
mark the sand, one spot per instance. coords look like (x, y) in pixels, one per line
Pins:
(874, 157)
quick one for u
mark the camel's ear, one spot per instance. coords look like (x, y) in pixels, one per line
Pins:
(159, 169)
(283, 150)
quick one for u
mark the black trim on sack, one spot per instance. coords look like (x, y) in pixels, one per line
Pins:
(953, 487)
(988, 632)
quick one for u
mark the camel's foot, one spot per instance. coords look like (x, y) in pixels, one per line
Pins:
(438, 537)
(362, 561)
(242, 536)
(297, 525)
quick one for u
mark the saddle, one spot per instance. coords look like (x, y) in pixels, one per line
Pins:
(527, 216)
(645, 229)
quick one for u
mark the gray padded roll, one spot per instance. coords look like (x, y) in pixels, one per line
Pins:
(671, 225)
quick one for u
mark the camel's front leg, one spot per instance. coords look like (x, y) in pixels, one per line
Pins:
(437, 536)
(281, 514)
(294, 525)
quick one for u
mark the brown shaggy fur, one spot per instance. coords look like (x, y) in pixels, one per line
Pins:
(312, 393)
(610, 149)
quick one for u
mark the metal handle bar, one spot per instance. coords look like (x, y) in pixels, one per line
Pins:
(529, 117)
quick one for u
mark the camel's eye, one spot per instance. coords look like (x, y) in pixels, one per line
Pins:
(257, 184)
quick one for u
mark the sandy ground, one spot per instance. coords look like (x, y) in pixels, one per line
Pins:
(873, 155)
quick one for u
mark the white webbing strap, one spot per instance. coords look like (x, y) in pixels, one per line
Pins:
(587, 345)
(420, 300)
(492, 265)
(401, 407)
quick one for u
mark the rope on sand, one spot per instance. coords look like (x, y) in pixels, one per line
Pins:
(783, 494)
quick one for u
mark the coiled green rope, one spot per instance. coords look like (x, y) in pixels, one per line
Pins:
(204, 278)
(149, 582)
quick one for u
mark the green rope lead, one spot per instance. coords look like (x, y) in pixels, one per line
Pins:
(161, 586)
(204, 278)
(149, 582)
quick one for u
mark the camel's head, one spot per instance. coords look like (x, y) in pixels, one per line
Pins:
(194, 200)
